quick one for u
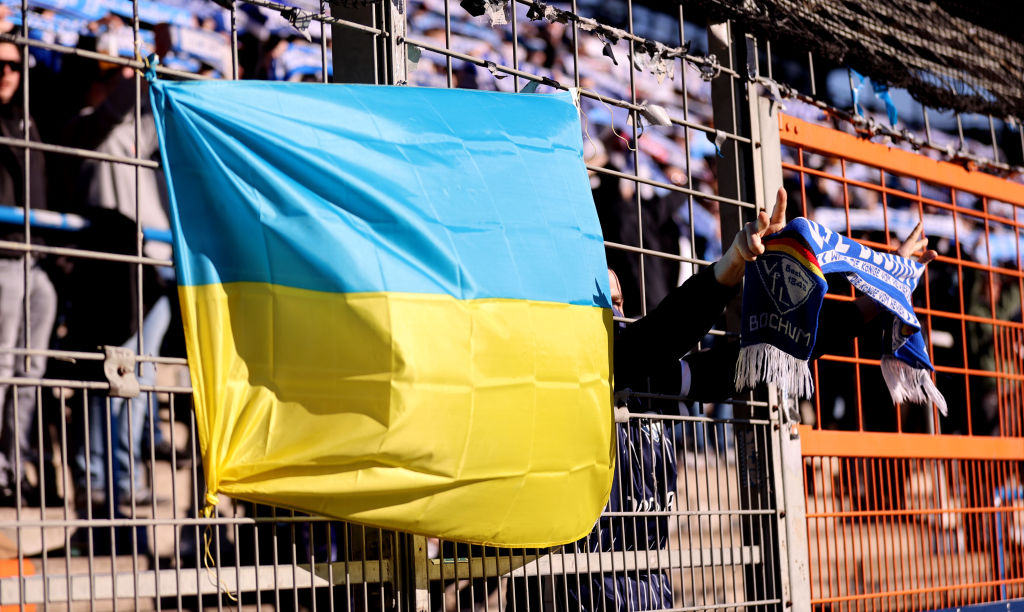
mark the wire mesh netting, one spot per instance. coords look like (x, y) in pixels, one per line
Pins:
(942, 58)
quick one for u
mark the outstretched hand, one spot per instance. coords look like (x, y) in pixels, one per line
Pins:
(917, 242)
(869, 308)
(747, 244)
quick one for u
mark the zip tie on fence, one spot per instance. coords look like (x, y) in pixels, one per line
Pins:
(536, 11)
(318, 16)
(496, 10)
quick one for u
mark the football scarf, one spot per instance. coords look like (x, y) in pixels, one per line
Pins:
(782, 294)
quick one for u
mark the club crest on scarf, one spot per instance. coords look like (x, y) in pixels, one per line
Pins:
(782, 295)
(788, 282)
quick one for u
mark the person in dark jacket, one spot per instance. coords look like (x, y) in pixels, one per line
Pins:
(23, 184)
(653, 354)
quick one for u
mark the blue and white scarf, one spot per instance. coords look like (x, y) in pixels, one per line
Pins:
(782, 295)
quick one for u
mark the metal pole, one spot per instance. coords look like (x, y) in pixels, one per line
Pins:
(368, 58)
(728, 102)
(787, 462)
(362, 57)
(734, 114)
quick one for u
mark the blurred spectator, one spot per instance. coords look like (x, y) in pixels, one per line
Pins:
(995, 296)
(617, 209)
(19, 409)
(107, 125)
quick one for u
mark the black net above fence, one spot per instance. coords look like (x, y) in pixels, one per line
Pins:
(944, 56)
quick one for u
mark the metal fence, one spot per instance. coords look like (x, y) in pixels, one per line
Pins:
(104, 501)
(907, 508)
(107, 482)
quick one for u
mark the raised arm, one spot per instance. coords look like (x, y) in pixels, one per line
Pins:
(655, 342)
(747, 246)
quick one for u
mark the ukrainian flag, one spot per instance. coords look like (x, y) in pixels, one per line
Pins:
(395, 303)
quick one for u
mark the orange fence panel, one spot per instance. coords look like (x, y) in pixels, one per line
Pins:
(908, 509)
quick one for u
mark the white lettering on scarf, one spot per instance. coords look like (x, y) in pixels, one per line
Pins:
(894, 271)
(786, 328)
(891, 269)
(895, 306)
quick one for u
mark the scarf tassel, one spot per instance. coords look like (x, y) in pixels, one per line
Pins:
(908, 384)
(768, 363)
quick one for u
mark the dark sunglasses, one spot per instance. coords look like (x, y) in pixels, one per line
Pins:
(14, 65)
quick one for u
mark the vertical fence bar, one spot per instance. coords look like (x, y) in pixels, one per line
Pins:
(787, 463)
(735, 114)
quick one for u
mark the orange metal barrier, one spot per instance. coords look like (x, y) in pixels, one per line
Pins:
(907, 509)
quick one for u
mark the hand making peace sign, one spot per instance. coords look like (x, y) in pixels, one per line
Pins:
(747, 245)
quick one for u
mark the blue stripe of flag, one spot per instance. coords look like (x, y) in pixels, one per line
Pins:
(348, 188)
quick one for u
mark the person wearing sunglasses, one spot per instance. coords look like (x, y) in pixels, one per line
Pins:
(22, 184)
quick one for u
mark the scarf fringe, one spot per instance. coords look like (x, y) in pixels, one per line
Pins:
(908, 384)
(768, 363)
